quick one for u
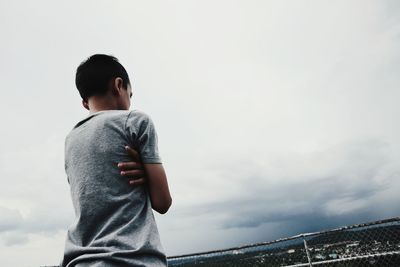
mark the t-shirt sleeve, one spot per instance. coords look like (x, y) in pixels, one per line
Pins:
(143, 136)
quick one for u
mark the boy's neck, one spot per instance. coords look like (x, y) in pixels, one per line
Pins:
(97, 104)
(114, 99)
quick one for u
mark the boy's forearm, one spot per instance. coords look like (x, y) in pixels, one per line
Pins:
(157, 184)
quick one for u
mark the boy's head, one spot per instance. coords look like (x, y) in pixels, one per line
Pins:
(101, 80)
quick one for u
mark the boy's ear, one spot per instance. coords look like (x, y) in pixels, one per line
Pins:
(85, 104)
(117, 86)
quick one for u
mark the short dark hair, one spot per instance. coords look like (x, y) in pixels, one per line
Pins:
(94, 74)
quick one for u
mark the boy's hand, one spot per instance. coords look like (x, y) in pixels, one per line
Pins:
(133, 170)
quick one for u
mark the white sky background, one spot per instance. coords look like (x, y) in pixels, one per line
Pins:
(274, 117)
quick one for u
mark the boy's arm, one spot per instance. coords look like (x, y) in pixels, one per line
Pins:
(141, 128)
(157, 185)
(153, 174)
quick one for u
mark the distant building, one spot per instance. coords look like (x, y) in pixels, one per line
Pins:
(333, 256)
(355, 244)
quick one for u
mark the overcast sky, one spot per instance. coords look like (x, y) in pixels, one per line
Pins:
(274, 117)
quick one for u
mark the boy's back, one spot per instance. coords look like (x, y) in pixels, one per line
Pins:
(114, 223)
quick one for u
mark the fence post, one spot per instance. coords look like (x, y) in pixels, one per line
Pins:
(307, 252)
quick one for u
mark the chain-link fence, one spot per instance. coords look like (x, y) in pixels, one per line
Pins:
(369, 244)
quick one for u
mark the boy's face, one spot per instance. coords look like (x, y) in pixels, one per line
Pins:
(125, 98)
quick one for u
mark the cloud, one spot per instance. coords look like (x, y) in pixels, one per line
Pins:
(11, 225)
(14, 238)
(33, 203)
(345, 182)
(16, 229)
(10, 219)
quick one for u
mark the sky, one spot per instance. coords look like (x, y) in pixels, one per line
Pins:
(273, 117)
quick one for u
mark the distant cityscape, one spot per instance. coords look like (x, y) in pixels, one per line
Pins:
(371, 245)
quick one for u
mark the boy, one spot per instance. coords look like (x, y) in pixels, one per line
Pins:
(114, 223)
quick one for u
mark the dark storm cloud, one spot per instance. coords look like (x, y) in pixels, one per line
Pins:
(15, 228)
(348, 192)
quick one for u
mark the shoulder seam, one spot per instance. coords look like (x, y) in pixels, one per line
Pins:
(126, 126)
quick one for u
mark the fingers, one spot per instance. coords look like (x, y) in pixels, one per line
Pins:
(131, 165)
(135, 182)
(133, 169)
(133, 173)
(136, 177)
(131, 152)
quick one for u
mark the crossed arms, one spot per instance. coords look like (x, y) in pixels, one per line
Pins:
(153, 175)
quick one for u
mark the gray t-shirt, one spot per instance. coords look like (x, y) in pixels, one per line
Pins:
(114, 223)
